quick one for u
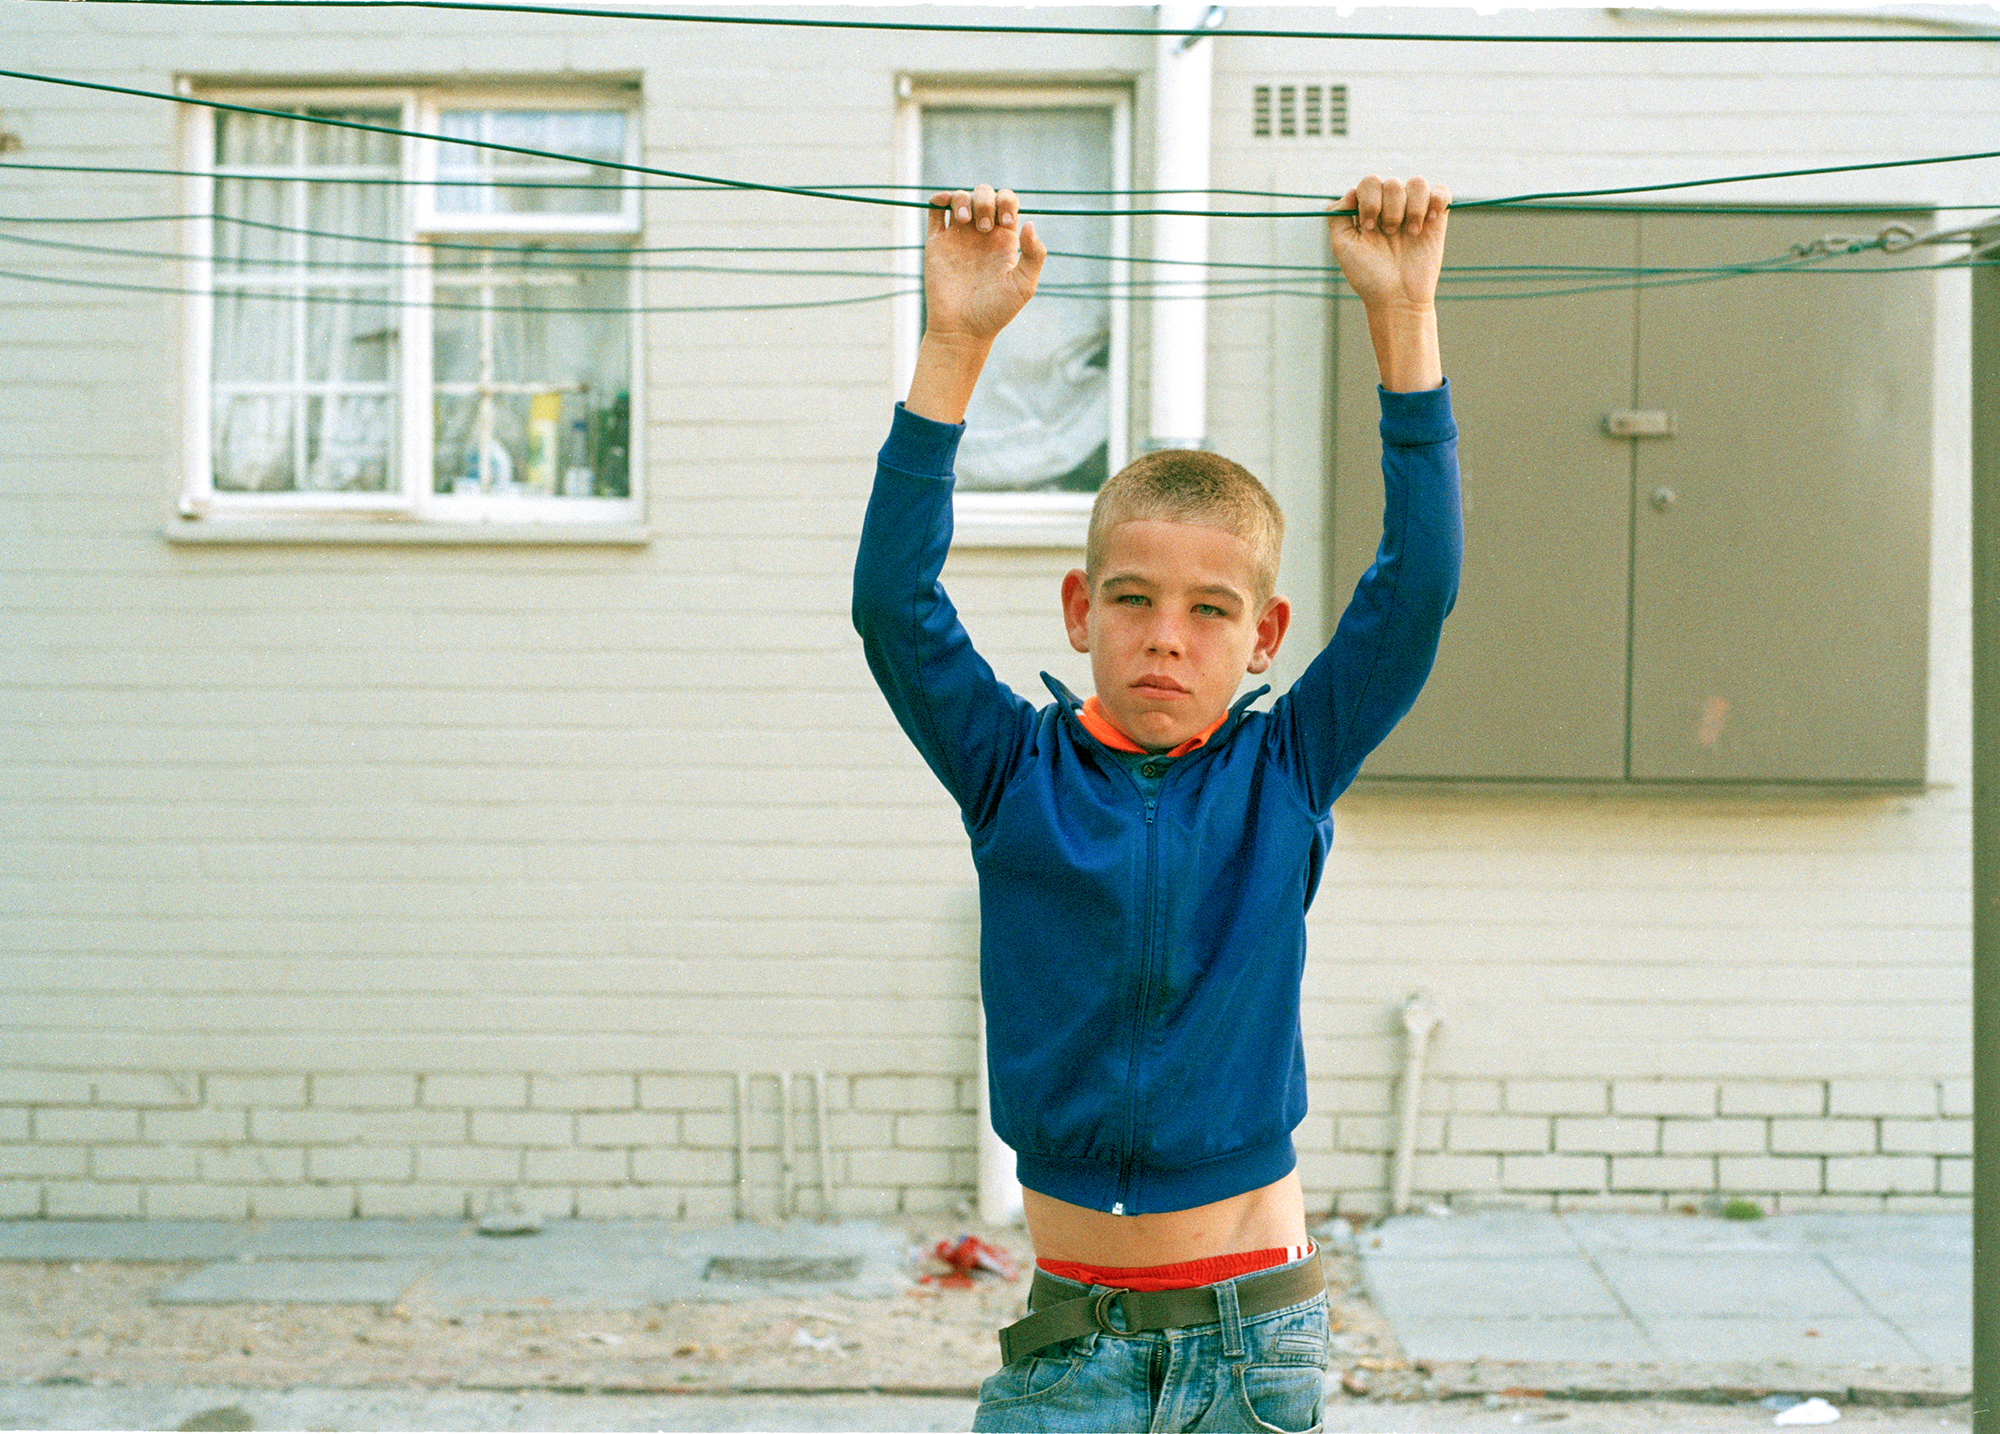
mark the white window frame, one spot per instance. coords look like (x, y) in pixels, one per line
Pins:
(414, 499)
(1015, 520)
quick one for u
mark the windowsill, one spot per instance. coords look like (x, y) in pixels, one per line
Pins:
(988, 521)
(399, 532)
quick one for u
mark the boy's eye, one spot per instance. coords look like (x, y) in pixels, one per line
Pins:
(1209, 609)
(1131, 599)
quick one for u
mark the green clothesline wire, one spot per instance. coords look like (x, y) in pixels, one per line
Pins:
(1553, 206)
(1790, 266)
(326, 275)
(567, 249)
(808, 192)
(1135, 31)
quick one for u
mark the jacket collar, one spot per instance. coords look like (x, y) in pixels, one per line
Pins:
(1072, 705)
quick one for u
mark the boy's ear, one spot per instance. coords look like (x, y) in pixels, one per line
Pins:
(1271, 626)
(1076, 608)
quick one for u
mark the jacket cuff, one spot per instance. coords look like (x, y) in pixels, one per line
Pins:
(920, 446)
(1413, 420)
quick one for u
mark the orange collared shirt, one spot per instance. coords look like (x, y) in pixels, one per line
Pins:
(1098, 723)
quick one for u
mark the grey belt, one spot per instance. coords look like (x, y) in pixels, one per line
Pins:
(1059, 1315)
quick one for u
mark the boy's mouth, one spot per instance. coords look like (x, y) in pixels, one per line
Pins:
(1155, 685)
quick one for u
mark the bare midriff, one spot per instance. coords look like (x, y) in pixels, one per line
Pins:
(1255, 1220)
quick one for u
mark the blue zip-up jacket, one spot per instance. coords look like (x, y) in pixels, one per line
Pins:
(1141, 953)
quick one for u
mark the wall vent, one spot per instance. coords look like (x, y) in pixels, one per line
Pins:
(1301, 110)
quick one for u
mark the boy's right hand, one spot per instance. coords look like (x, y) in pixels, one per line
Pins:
(981, 264)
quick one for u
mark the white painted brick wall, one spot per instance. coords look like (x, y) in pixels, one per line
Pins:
(353, 879)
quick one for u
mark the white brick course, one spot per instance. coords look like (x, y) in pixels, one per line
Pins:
(480, 1092)
(1671, 1173)
(1891, 1174)
(1611, 1136)
(196, 1202)
(145, 1088)
(1926, 1137)
(1553, 1097)
(263, 1092)
(360, 1162)
(1714, 1137)
(1825, 1137)
(1553, 1172)
(69, 1127)
(362, 1092)
(1692, 1098)
(1918, 1099)
(1782, 1173)
(531, 1128)
(583, 1092)
(1522, 1134)
(1773, 1098)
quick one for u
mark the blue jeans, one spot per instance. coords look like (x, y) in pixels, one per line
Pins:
(1259, 1374)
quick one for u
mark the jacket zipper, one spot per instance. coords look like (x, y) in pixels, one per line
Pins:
(1145, 992)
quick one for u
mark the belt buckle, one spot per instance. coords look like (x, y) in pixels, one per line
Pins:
(1100, 1311)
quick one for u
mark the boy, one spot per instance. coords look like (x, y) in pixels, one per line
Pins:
(1146, 858)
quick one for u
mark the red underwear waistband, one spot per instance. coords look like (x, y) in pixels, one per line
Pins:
(1187, 1275)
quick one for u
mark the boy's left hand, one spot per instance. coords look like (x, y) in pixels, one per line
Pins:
(1391, 246)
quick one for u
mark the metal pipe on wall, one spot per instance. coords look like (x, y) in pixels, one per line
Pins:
(1184, 78)
(826, 1205)
(1986, 845)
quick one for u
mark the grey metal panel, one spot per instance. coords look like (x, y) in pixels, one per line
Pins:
(1782, 578)
(1530, 678)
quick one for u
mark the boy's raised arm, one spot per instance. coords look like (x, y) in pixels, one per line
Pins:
(1389, 241)
(1391, 247)
(980, 267)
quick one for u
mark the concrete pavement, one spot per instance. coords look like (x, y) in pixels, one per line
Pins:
(1863, 1309)
(1876, 1305)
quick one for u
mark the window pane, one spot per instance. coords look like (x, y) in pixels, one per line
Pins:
(1041, 418)
(349, 221)
(254, 139)
(350, 337)
(485, 181)
(349, 444)
(334, 144)
(258, 243)
(252, 438)
(532, 372)
(254, 342)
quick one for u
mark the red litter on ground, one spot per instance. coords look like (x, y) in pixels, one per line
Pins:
(967, 1256)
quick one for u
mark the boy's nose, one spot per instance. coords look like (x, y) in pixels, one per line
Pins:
(1165, 639)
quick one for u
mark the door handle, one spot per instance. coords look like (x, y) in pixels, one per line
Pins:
(1639, 423)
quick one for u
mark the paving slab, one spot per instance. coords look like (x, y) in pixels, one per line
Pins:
(1774, 1340)
(1495, 1287)
(1775, 1284)
(308, 1282)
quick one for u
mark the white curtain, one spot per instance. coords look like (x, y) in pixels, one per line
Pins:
(1042, 412)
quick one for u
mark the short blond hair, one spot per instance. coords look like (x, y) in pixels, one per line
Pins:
(1187, 485)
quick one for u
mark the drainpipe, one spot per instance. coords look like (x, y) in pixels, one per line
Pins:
(1183, 73)
(1986, 837)
(1420, 1018)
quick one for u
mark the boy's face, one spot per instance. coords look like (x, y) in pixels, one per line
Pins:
(1171, 624)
